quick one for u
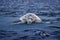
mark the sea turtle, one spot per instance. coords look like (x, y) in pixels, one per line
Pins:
(29, 18)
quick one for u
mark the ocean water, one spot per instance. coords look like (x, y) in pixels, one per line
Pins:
(12, 10)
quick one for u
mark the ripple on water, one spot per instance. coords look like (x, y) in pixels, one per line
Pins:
(58, 19)
(5, 34)
(56, 34)
(35, 34)
(54, 26)
(31, 34)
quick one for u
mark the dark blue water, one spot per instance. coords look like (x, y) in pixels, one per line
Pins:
(11, 10)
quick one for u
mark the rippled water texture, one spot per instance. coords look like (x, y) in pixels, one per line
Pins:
(48, 10)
